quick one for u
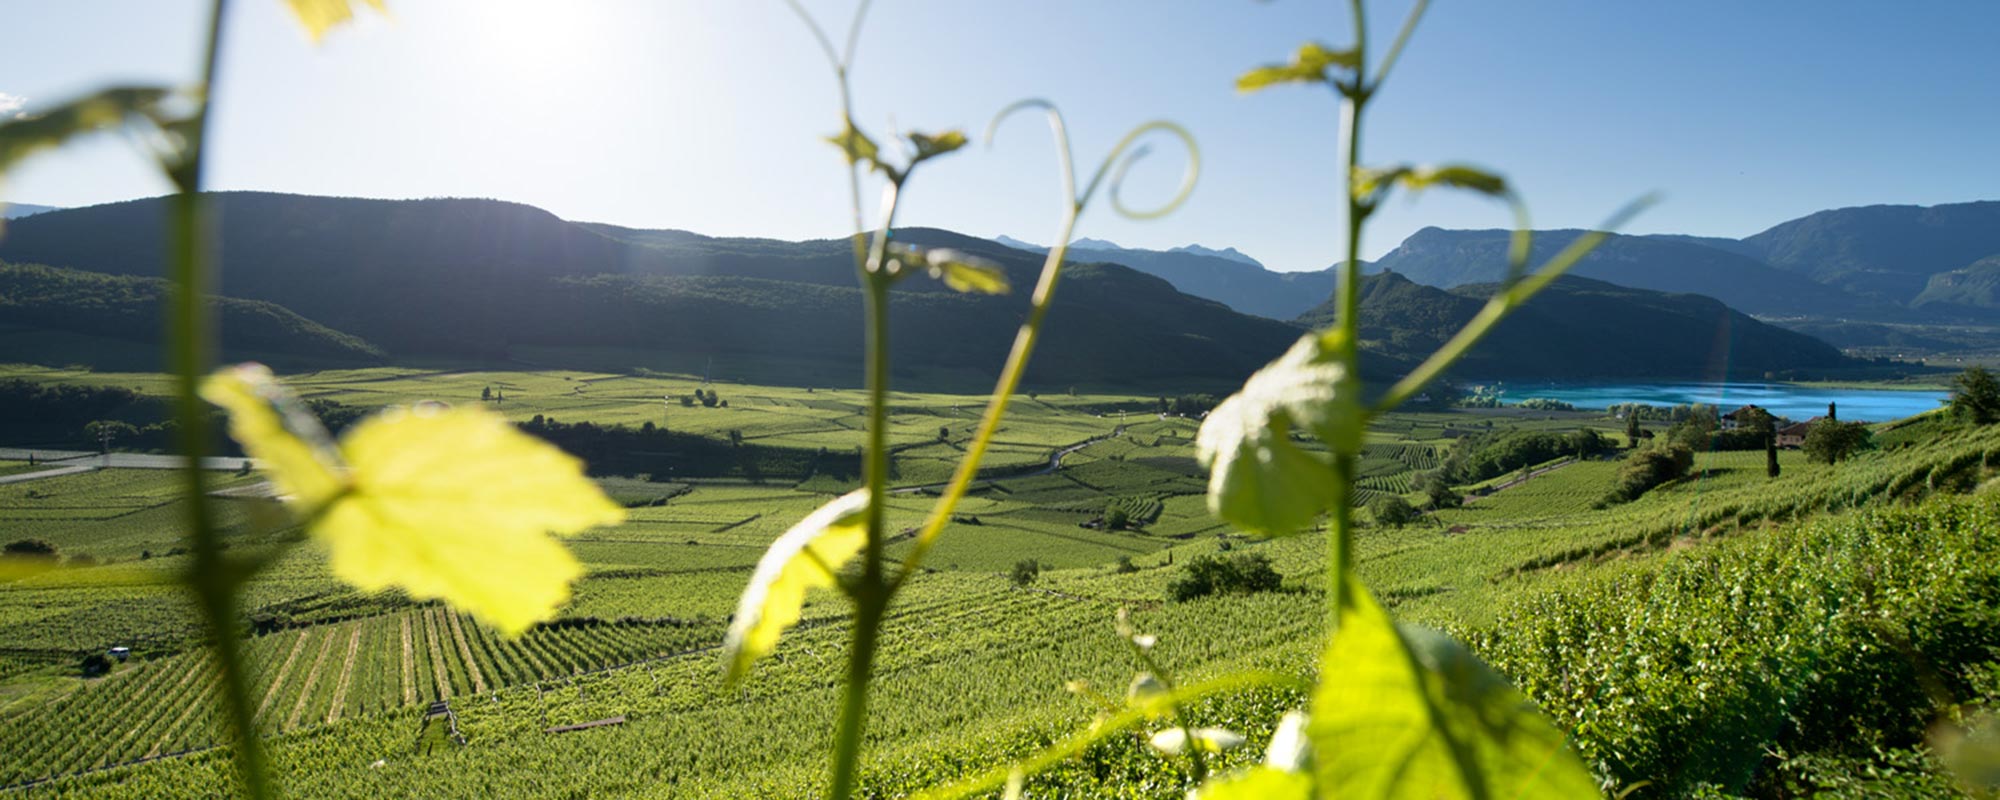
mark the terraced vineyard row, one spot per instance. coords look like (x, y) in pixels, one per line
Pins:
(315, 676)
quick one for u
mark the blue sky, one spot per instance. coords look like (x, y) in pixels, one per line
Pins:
(704, 114)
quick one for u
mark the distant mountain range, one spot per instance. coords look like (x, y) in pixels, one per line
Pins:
(1877, 263)
(1226, 276)
(344, 280)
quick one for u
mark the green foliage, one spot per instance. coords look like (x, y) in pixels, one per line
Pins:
(1391, 510)
(1025, 572)
(1546, 404)
(31, 549)
(1650, 467)
(1975, 396)
(1411, 713)
(1237, 573)
(1706, 669)
(1830, 441)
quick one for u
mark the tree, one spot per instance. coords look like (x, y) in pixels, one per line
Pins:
(1392, 510)
(94, 665)
(485, 393)
(944, 433)
(1975, 396)
(1241, 573)
(105, 431)
(1439, 493)
(38, 549)
(1116, 518)
(1025, 572)
(1830, 440)
(1650, 467)
(735, 436)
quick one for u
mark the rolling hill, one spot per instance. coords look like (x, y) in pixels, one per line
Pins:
(1580, 328)
(1888, 252)
(127, 308)
(483, 279)
(1450, 258)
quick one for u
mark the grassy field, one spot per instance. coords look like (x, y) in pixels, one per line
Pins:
(977, 664)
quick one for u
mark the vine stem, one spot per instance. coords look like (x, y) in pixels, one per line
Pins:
(1354, 100)
(190, 337)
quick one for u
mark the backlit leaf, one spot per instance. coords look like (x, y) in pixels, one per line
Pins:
(1971, 752)
(454, 504)
(808, 556)
(286, 439)
(929, 146)
(855, 145)
(1257, 783)
(1308, 65)
(320, 16)
(960, 271)
(109, 108)
(1412, 714)
(458, 504)
(1457, 176)
(1259, 479)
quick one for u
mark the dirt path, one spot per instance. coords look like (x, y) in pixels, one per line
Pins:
(1518, 481)
(312, 678)
(271, 693)
(346, 676)
(409, 664)
(464, 650)
(1055, 463)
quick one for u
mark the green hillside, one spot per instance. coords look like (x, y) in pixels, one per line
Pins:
(1450, 258)
(128, 308)
(1581, 328)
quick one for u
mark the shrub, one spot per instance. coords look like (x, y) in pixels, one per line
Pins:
(1025, 572)
(1242, 573)
(94, 665)
(1392, 510)
(30, 548)
(1650, 467)
(1125, 566)
(1830, 440)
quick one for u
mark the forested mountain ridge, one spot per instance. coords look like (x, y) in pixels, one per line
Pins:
(1451, 258)
(1886, 251)
(128, 308)
(481, 278)
(1580, 328)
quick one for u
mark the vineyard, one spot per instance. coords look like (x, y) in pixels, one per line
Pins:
(340, 680)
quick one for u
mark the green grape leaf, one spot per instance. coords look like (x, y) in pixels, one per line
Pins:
(1257, 783)
(1308, 65)
(855, 145)
(1410, 713)
(448, 503)
(108, 108)
(1970, 752)
(929, 146)
(1457, 176)
(1259, 479)
(960, 271)
(808, 556)
(320, 16)
(1370, 181)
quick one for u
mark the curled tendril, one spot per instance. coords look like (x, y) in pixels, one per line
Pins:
(1124, 164)
(1065, 161)
(1127, 152)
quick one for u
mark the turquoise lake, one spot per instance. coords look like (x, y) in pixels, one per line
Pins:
(1783, 399)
